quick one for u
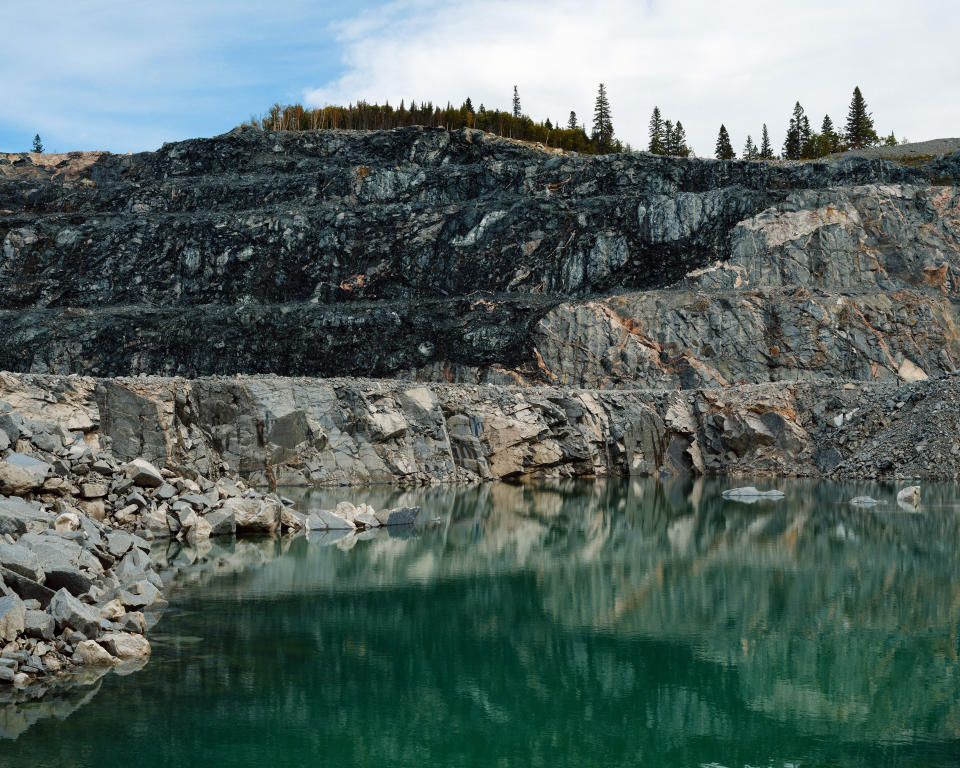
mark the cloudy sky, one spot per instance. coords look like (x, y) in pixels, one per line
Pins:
(91, 74)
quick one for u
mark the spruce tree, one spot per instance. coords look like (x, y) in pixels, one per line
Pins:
(680, 147)
(766, 149)
(468, 105)
(793, 144)
(669, 138)
(656, 133)
(572, 121)
(860, 132)
(37, 144)
(724, 149)
(749, 149)
(516, 103)
(602, 121)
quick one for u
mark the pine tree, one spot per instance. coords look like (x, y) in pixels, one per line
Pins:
(483, 109)
(572, 121)
(724, 149)
(516, 103)
(669, 138)
(860, 132)
(766, 149)
(680, 147)
(808, 139)
(37, 144)
(468, 105)
(602, 121)
(749, 149)
(656, 133)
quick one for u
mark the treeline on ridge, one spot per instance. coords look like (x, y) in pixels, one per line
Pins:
(572, 136)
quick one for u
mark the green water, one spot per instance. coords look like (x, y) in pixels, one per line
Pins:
(570, 624)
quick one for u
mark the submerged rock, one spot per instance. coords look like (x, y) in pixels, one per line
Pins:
(749, 492)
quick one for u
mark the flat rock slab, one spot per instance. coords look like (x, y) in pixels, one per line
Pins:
(324, 520)
(752, 493)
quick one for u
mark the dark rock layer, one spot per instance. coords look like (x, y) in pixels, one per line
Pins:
(464, 257)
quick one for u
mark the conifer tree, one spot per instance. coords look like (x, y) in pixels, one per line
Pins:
(766, 149)
(680, 147)
(516, 103)
(793, 144)
(468, 105)
(860, 132)
(669, 139)
(572, 121)
(724, 149)
(37, 144)
(602, 121)
(749, 149)
(829, 138)
(656, 133)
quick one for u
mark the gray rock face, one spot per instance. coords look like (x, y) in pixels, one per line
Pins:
(617, 271)
(397, 516)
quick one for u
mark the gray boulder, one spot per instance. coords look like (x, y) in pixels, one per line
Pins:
(325, 520)
(21, 560)
(397, 516)
(39, 624)
(12, 614)
(144, 474)
(28, 589)
(68, 611)
(222, 523)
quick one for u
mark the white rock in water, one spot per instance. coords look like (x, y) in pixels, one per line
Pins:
(751, 492)
(910, 495)
(864, 501)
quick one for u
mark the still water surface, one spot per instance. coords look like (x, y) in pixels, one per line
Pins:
(558, 624)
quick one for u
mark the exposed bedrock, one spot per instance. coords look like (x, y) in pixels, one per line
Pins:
(274, 430)
(464, 257)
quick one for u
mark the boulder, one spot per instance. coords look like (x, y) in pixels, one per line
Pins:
(751, 492)
(112, 610)
(67, 522)
(397, 515)
(254, 515)
(126, 646)
(28, 589)
(324, 520)
(864, 501)
(68, 611)
(222, 523)
(94, 490)
(141, 595)
(366, 520)
(133, 567)
(144, 474)
(17, 481)
(21, 560)
(12, 615)
(66, 576)
(119, 543)
(910, 495)
(39, 624)
(91, 652)
(292, 520)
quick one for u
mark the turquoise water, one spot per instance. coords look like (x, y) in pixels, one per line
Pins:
(569, 624)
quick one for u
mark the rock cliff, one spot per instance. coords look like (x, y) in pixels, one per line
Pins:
(465, 257)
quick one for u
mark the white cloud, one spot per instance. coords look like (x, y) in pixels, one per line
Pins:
(702, 61)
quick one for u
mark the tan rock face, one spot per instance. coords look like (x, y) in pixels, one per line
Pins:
(91, 652)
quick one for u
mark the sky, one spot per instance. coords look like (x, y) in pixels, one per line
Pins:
(122, 76)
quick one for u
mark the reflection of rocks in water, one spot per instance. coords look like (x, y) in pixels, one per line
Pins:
(810, 600)
(57, 697)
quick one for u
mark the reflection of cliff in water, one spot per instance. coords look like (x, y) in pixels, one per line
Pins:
(826, 612)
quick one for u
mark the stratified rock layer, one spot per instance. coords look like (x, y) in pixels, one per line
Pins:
(283, 431)
(464, 257)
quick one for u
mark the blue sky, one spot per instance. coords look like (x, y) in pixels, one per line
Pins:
(127, 76)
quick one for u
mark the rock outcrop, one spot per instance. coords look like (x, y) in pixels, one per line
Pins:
(275, 431)
(464, 257)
